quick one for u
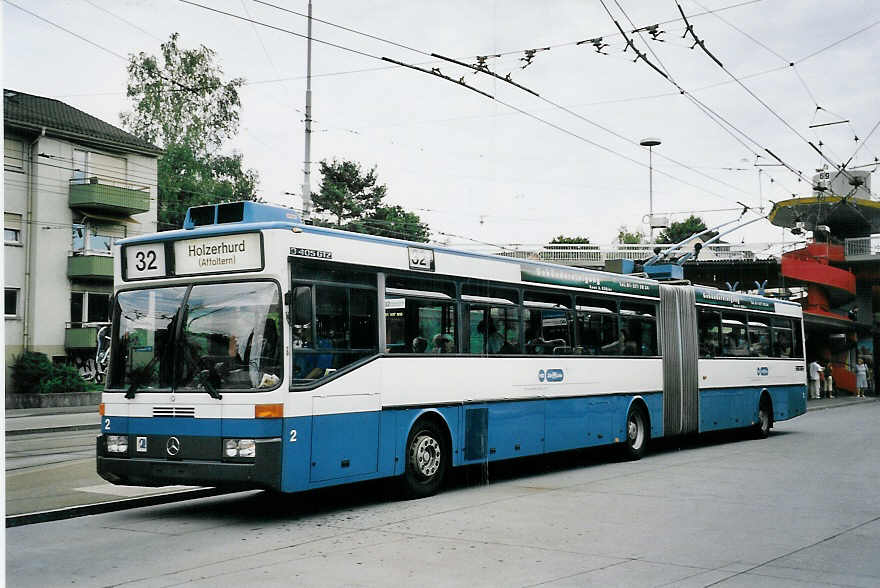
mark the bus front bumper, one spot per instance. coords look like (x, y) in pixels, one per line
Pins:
(262, 472)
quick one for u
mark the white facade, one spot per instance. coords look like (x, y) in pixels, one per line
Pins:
(39, 238)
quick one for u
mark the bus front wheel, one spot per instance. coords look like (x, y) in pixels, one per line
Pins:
(427, 460)
(637, 433)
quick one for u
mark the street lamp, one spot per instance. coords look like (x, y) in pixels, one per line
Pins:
(650, 143)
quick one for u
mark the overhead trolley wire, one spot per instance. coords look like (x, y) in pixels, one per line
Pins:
(430, 72)
(485, 70)
(841, 168)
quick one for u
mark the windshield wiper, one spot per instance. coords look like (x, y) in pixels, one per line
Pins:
(203, 378)
(140, 376)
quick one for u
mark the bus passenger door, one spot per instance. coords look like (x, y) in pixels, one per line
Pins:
(678, 342)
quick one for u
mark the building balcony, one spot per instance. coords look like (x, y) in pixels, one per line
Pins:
(81, 335)
(91, 194)
(862, 248)
(90, 267)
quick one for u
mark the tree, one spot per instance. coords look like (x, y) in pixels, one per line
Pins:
(393, 221)
(624, 237)
(187, 180)
(347, 192)
(181, 100)
(563, 240)
(679, 231)
(355, 198)
(182, 104)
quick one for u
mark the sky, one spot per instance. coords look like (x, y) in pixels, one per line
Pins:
(514, 168)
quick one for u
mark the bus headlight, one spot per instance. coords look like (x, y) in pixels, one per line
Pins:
(240, 448)
(117, 443)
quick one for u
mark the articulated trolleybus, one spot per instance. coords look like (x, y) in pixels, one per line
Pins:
(252, 350)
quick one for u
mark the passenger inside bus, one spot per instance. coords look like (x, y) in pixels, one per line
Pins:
(419, 345)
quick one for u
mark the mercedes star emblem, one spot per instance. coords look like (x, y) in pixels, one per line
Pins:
(172, 446)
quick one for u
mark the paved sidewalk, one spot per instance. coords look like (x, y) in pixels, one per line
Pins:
(838, 401)
(20, 421)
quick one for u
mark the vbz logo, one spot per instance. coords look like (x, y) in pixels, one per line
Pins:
(763, 371)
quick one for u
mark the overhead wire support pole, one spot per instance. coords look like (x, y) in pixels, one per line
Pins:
(307, 163)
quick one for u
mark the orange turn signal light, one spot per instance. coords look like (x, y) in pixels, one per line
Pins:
(268, 411)
(101, 409)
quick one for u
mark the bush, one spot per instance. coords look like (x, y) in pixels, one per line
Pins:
(62, 378)
(29, 370)
(32, 372)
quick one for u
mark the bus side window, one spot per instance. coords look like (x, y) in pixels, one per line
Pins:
(709, 332)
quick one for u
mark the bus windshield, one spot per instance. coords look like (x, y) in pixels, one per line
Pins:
(229, 339)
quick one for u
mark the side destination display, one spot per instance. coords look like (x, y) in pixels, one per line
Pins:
(223, 253)
(731, 299)
(561, 277)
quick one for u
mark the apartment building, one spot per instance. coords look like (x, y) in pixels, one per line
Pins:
(73, 184)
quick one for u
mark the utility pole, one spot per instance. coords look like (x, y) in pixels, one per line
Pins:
(307, 180)
(650, 143)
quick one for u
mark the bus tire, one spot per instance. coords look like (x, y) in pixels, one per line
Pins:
(638, 432)
(427, 459)
(761, 429)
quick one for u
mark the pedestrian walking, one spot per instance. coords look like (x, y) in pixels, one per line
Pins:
(815, 374)
(861, 377)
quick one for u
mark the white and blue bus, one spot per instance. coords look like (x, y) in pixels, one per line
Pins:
(252, 350)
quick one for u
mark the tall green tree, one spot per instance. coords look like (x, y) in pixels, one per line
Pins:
(347, 191)
(181, 103)
(355, 198)
(393, 221)
(625, 237)
(181, 98)
(563, 240)
(679, 231)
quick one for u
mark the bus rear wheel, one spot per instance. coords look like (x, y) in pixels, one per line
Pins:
(762, 428)
(427, 460)
(637, 433)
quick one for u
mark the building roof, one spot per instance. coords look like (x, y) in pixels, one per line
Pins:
(36, 113)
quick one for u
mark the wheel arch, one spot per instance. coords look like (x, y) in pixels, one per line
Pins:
(763, 396)
(414, 417)
(639, 402)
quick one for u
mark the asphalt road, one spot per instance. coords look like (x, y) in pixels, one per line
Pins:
(798, 509)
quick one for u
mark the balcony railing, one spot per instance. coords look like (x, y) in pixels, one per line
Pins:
(91, 194)
(865, 248)
(90, 267)
(82, 335)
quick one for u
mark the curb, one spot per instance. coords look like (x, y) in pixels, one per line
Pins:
(60, 514)
(842, 403)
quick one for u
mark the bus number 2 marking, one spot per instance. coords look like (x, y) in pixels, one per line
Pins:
(293, 435)
(106, 424)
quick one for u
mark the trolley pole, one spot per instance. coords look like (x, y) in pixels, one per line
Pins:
(307, 164)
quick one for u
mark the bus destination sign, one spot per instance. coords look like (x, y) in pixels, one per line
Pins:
(224, 253)
(561, 277)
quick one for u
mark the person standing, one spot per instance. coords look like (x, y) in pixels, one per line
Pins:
(815, 373)
(861, 377)
(829, 380)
